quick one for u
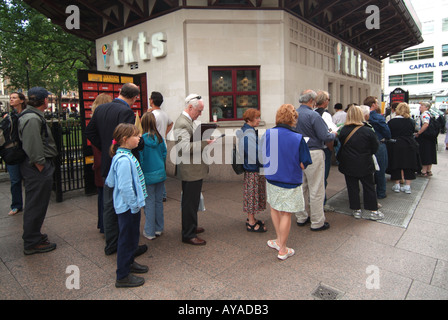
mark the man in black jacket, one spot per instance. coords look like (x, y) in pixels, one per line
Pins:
(99, 131)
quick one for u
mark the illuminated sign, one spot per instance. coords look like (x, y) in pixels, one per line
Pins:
(349, 62)
(124, 51)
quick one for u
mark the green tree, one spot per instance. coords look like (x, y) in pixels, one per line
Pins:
(36, 52)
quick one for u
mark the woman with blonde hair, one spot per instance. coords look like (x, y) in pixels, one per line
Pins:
(285, 155)
(403, 150)
(358, 144)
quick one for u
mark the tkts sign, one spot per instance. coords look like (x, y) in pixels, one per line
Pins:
(349, 62)
(127, 50)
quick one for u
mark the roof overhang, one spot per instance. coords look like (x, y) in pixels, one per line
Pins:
(347, 20)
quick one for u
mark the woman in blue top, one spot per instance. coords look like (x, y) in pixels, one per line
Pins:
(254, 197)
(285, 155)
(129, 193)
(152, 159)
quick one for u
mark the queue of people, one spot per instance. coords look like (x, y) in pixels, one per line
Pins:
(287, 167)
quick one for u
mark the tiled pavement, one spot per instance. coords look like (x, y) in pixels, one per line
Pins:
(359, 259)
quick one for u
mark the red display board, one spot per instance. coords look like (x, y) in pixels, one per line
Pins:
(91, 84)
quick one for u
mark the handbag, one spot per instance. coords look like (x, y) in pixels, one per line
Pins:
(352, 133)
(201, 206)
(237, 167)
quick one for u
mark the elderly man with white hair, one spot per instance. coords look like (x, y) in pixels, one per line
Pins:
(190, 168)
(310, 124)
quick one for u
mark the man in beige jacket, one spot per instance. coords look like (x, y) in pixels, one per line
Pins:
(190, 168)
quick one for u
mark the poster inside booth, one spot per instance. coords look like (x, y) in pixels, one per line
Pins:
(93, 83)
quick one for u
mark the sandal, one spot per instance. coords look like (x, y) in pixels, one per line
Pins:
(273, 244)
(429, 173)
(13, 212)
(290, 252)
(422, 174)
(251, 228)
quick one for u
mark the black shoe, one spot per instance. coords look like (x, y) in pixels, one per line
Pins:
(324, 227)
(129, 282)
(138, 268)
(40, 248)
(301, 224)
(140, 250)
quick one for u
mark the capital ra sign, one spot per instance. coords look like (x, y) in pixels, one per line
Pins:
(349, 62)
(125, 51)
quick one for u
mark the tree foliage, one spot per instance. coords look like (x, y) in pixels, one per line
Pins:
(36, 52)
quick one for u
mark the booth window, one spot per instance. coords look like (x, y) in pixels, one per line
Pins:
(232, 91)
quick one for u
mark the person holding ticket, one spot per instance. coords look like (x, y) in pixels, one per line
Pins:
(190, 167)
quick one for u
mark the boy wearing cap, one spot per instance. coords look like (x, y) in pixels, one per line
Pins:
(37, 170)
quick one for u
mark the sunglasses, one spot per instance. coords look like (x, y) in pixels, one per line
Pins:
(197, 97)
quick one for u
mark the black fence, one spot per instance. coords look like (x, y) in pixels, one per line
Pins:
(69, 173)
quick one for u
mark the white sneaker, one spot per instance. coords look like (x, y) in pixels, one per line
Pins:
(147, 236)
(406, 189)
(376, 215)
(357, 214)
(396, 188)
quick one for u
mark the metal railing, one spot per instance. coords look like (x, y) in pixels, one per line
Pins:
(69, 172)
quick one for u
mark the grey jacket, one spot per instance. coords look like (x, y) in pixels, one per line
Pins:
(36, 144)
(190, 165)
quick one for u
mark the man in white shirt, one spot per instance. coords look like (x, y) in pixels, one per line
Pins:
(163, 121)
(340, 115)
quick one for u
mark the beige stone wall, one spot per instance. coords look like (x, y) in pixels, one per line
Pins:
(292, 56)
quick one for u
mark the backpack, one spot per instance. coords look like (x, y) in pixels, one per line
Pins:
(236, 162)
(10, 145)
(433, 129)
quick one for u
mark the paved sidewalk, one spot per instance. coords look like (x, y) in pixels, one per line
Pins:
(355, 259)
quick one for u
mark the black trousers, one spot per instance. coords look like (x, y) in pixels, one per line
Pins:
(369, 192)
(38, 185)
(129, 233)
(191, 194)
(110, 221)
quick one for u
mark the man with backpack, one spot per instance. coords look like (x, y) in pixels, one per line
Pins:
(37, 170)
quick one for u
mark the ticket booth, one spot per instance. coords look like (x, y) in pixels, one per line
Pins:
(91, 84)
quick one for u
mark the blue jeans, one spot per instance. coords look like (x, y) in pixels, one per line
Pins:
(154, 209)
(380, 176)
(16, 186)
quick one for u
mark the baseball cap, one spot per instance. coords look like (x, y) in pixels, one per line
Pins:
(37, 93)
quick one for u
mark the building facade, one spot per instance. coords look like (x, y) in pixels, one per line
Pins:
(422, 70)
(237, 59)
